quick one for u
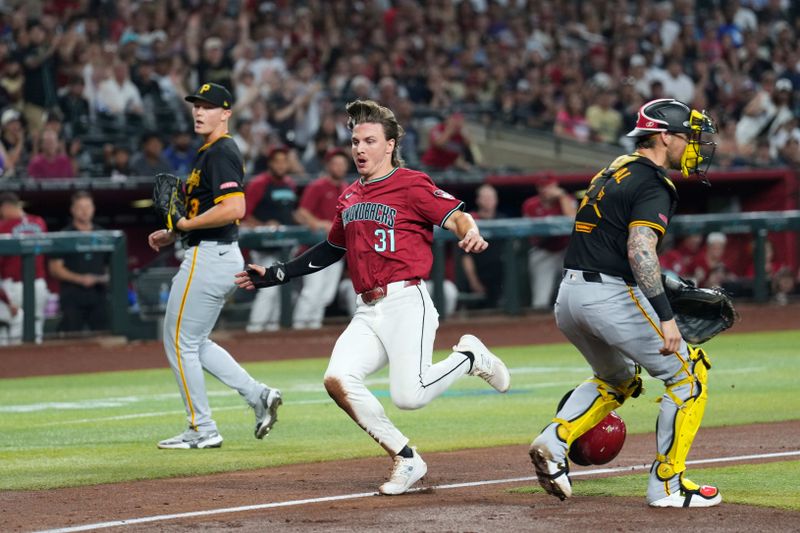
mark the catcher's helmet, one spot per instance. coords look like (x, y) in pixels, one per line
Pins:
(670, 115)
(664, 114)
(600, 444)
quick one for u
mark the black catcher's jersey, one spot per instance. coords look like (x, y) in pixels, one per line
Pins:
(632, 191)
(217, 173)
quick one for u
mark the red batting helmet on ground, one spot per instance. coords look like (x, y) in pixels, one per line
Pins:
(600, 444)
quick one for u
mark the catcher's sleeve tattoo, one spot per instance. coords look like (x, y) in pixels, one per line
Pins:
(642, 242)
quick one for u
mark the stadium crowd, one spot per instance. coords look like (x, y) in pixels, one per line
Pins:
(96, 88)
(104, 75)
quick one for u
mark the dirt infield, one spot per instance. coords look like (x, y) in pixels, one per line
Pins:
(481, 507)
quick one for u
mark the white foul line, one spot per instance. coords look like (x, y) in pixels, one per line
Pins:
(355, 496)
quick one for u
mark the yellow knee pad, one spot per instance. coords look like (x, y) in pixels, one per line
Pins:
(609, 398)
(689, 414)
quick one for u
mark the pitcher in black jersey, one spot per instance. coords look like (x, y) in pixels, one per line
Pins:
(215, 203)
(611, 305)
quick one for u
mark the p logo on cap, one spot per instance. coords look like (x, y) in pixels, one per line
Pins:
(206, 87)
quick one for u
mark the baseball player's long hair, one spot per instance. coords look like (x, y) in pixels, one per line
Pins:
(361, 111)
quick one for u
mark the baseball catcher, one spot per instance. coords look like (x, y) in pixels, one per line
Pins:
(700, 313)
(612, 305)
(169, 199)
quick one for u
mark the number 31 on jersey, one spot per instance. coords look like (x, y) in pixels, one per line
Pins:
(385, 240)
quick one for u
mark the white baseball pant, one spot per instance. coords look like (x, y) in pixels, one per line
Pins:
(398, 330)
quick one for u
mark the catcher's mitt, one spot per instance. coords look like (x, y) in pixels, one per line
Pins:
(700, 313)
(169, 199)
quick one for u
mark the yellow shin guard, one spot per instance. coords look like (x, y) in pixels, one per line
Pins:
(688, 416)
(609, 398)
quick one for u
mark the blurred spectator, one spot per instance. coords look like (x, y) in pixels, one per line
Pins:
(709, 268)
(680, 259)
(52, 161)
(12, 83)
(16, 222)
(291, 108)
(409, 142)
(676, 83)
(83, 275)
(15, 143)
(604, 121)
(784, 106)
(39, 62)
(180, 152)
(4, 162)
(520, 57)
(757, 114)
(638, 74)
(117, 161)
(248, 142)
(448, 145)
(215, 65)
(546, 255)
(269, 63)
(780, 280)
(787, 143)
(75, 108)
(316, 211)
(118, 95)
(484, 271)
(315, 153)
(571, 119)
(271, 201)
(149, 160)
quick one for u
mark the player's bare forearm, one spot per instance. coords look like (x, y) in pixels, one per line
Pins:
(226, 212)
(464, 227)
(643, 259)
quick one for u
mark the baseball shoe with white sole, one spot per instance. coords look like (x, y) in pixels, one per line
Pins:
(267, 411)
(405, 472)
(689, 494)
(192, 439)
(553, 475)
(485, 364)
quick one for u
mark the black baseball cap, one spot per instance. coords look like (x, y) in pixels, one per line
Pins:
(214, 94)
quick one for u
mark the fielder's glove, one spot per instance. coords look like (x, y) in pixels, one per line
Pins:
(700, 313)
(169, 199)
(274, 275)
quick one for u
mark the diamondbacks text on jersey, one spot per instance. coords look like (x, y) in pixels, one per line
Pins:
(392, 219)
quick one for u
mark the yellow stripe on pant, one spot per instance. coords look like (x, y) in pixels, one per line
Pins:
(178, 337)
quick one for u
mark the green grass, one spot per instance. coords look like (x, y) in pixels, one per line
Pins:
(764, 484)
(97, 428)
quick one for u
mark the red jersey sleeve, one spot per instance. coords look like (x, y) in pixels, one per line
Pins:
(430, 202)
(336, 234)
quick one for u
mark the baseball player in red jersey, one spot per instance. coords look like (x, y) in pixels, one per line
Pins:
(316, 211)
(15, 221)
(384, 225)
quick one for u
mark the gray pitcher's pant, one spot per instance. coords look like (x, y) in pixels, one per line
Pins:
(198, 292)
